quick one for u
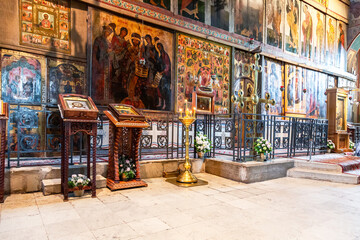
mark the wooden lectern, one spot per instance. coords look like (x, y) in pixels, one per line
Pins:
(4, 116)
(337, 103)
(126, 125)
(78, 114)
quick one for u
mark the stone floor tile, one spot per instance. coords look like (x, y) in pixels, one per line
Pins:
(59, 216)
(255, 191)
(19, 212)
(148, 226)
(19, 223)
(79, 236)
(120, 231)
(178, 219)
(66, 228)
(34, 233)
(241, 193)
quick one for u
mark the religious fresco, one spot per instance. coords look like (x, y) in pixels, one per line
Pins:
(295, 83)
(325, 3)
(165, 4)
(220, 13)
(352, 62)
(321, 97)
(341, 45)
(194, 9)
(249, 18)
(292, 26)
(330, 40)
(204, 66)
(307, 29)
(22, 77)
(45, 24)
(275, 18)
(65, 77)
(318, 36)
(242, 70)
(272, 82)
(131, 63)
(311, 94)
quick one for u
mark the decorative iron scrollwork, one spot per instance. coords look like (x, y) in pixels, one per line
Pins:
(146, 141)
(162, 141)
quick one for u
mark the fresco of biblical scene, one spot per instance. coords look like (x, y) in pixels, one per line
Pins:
(341, 45)
(132, 63)
(22, 76)
(307, 30)
(292, 26)
(319, 36)
(45, 23)
(275, 22)
(220, 11)
(330, 40)
(165, 4)
(203, 66)
(26, 129)
(249, 18)
(65, 77)
(272, 82)
(311, 94)
(295, 102)
(321, 97)
(352, 62)
(194, 9)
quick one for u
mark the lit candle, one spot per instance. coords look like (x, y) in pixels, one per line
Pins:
(180, 112)
(194, 111)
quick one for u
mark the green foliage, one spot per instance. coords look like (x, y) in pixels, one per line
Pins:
(262, 145)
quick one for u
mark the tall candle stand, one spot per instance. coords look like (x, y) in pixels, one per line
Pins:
(187, 119)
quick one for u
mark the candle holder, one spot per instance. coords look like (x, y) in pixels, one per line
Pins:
(187, 119)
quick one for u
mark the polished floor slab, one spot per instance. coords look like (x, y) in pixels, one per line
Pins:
(285, 208)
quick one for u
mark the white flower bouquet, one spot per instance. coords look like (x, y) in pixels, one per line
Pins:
(202, 143)
(262, 145)
(78, 181)
(330, 144)
(351, 145)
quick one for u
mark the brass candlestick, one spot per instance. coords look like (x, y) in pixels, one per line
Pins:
(188, 118)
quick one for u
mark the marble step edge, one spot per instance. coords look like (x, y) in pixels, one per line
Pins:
(52, 186)
(318, 166)
(323, 175)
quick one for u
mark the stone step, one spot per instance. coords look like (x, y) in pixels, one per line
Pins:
(318, 166)
(52, 186)
(323, 175)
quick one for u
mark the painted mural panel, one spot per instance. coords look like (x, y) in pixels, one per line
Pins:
(341, 45)
(311, 94)
(205, 66)
(330, 40)
(321, 97)
(242, 68)
(131, 63)
(352, 62)
(65, 77)
(307, 29)
(319, 36)
(249, 18)
(272, 81)
(292, 26)
(45, 24)
(275, 18)
(194, 9)
(165, 4)
(220, 13)
(22, 77)
(295, 82)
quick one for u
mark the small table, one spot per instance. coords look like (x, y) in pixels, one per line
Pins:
(4, 116)
(78, 114)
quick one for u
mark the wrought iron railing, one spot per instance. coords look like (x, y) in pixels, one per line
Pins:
(34, 136)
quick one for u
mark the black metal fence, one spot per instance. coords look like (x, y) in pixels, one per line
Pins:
(34, 136)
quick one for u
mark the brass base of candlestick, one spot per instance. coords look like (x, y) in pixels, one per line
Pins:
(200, 182)
(186, 177)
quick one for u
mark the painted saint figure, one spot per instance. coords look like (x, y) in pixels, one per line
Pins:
(307, 29)
(45, 23)
(319, 35)
(331, 36)
(292, 16)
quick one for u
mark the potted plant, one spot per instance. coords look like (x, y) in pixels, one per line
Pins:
(127, 168)
(202, 144)
(262, 147)
(77, 183)
(330, 145)
(351, 145)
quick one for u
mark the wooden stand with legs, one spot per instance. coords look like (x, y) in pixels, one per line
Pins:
(4, 116)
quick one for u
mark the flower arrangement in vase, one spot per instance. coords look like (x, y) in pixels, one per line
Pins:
(330, 145)
(351, 145)
(262, 147)
(127, 168)
(78, 183)
(202, 144)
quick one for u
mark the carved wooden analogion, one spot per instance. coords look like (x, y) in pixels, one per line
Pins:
(4, 116)
(126, 125)
(79, 114)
